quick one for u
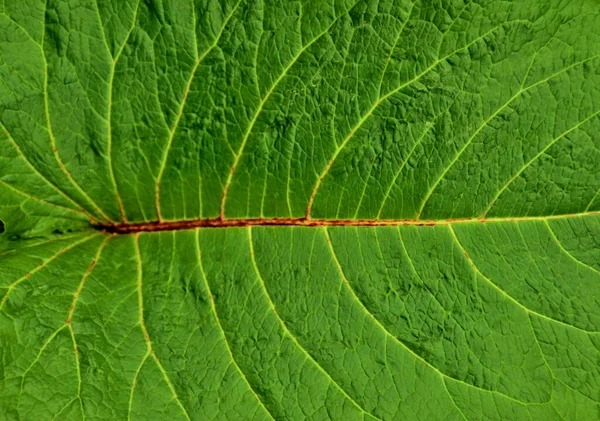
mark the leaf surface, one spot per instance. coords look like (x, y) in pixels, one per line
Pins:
(269, 210)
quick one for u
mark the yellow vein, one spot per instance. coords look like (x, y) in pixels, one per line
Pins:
(568, 253)
(70, 317)
(12, 286)
(218, 321)
(110, 101)
(84, 278)
(539, 347)
(453, 401)
(368, 114)
(181, 107)
(393, 337)
(68, 404)
(145, 331)
(535, 158)
(587, 208)
(261, 105)
(51, 134)
(134, 382)
(36, 171)
(77, 369)
(37, 199)
(41, 243)
(487, 121)
(289, 333)
(36, 359)
(414, 148)
(505, 294)
(389, 57)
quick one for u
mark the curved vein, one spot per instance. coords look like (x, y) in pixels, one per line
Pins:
(134, 382)
(220, 326)
(453, 401)
(70, 316)
(393, 337)
(111, 80)
(77, 369)
(575, 390)
(389, 58)
(488, 120)
(554, 378)
(535, 158)
(37, 199)
(64, 408)
(84, 278)
(412, 151)
(36, 359)
(505, 294)
(587, 208)
(182, 106)
(45, 263)
(145, 331)
(568, 253)
(41, 243)
(368, 114)
(36, 171)
(51, 133)
(261, 105)
(289, 333)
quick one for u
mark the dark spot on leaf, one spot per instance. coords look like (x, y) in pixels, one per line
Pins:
(1, 227)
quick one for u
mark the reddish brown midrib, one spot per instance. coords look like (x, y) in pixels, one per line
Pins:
(129, 228)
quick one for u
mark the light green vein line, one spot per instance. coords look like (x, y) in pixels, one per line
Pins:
(289, 333)
(414, 270)
(410, 153)
(539, 347)
(45, 263)
(577, 391)
(36, 171)
(37, 199)
(84, 278)
(220, 326)
(44, 346)
(109, 142)
(587, 208)
(134, 382)
(63, 409)
(145, 331)
(261, 105)
(368, 114)
(70, 317)
(36, 359)
(453, 401)
(393, 337)
(51, 133)
(487, 121)
(414, 148)
(568, 253)
(121, 342)
(389, 57)
(535, 158)
(509, 297)
(554, 378)
(18, 25)
(182, 106)
(77, 369)
(41, 243)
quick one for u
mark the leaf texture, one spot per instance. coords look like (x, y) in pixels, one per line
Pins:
(299, 209)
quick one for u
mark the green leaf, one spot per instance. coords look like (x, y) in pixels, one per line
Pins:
(289, 210)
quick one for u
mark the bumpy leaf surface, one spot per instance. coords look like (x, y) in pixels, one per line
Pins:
(391, 210)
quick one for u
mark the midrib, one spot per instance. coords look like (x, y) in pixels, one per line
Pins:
(131, 228)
